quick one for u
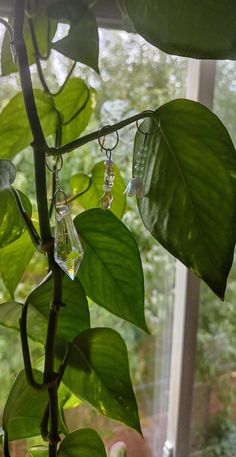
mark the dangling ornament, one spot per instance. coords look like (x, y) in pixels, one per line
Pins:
(109, 176)
(68, 251)
(135, 186)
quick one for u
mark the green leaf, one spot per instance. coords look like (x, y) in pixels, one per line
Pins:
(190, 189)
(82, 42)
(11, 224)
(192, 29)
(14, 126)
(7, 173)
(14, 260)
(79, 183)
(24, 408)
(67, 399)
(76, 103)
(98, 372)
(10, 313)
(111, 270)
(40, 22)
(91, 198)
(38, 451)
(73, 317)
(85, 442)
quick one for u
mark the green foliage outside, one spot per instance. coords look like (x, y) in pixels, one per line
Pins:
(188, 206)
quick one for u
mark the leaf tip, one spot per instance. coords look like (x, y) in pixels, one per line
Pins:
(145, 328)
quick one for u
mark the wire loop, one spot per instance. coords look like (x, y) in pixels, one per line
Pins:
(146, 133)
(59, 203)
(101, 142)
(58, 164)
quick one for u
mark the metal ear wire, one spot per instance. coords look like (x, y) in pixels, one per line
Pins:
(150, 132)
(102, 142)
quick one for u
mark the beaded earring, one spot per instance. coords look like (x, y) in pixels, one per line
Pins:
(135, 186)
(109, 175)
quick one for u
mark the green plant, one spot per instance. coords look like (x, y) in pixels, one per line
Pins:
(189, 207)
(220, 438)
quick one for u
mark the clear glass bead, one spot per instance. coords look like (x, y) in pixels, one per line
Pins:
(68, 251)
(135, 187)
(106, 200)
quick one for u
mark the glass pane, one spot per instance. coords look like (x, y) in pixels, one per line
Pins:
(213, 415)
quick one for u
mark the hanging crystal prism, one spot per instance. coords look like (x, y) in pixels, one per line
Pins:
(68, 252)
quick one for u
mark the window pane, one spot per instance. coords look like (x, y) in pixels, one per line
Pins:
(213, 415)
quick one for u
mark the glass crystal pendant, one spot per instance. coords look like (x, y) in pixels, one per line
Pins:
(68, 252)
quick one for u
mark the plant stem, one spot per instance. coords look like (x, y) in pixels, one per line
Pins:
(39, 148)
(39, 143)
(6, 445)
(25, 350)
(49, 371)
(106, 131)
(61, 370)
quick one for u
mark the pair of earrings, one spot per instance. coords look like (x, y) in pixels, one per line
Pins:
(135, 186)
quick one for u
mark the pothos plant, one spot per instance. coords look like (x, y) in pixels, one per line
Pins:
(189, 206)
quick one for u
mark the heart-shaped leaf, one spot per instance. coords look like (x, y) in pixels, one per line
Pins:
(91, 198)
(98, 372)
(7, 174)
(82, 42)
(85, 442)
(14, 126)
(11, 223)
(190, 189)
(111, 270)
(193, 29)
(24, 408)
